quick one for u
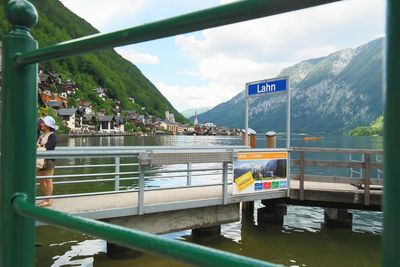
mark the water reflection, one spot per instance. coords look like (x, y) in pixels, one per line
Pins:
(301, 241)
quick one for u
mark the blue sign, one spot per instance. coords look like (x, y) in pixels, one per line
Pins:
(258, 186)
(283, 184)
(265, 87)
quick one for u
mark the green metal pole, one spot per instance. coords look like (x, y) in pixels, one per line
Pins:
(18, 137)
(391, 223)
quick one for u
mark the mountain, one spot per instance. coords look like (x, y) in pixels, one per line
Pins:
(106, 69)
(189, 113)
(329, 95)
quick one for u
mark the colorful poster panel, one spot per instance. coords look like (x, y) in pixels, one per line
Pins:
(259, 171)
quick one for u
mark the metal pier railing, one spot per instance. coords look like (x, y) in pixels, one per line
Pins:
(142, 170)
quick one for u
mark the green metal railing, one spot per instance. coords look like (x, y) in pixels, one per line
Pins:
(149, 243)
(391, 201)
(18, 135)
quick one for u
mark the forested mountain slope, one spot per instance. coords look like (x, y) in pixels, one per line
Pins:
(105, 69)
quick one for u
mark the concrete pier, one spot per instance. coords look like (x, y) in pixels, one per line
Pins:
(338, 217)
(207, 231)
(205, 221)
(273, 212)
(115, 251)
(248, 207)
(178, 220)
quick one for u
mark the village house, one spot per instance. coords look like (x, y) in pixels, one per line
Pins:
(210, 125)
(101, 92)
(142, 119)
(66, 89)
(223, 131)
(119, 123)
(106, 123)
(68, 115)
(110, 124)
(189, 131)
(54, 77)
(161, 125)
(174, 128)
(86, 106)
(44, 81)
(89, 123)
(51, 100)
(169, 117)
(132, 117)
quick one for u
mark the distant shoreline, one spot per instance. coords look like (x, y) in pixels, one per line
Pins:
(73, 135)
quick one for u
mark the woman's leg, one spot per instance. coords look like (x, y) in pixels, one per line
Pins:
(43, 186)
(49, 190)
(46, 185)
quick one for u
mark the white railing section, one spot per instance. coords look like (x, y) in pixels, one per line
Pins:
(74, 171)
(356, 172)
(89, 171)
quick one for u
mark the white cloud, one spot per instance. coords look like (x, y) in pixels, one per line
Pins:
(137, 57)
(185, 97)
(228, 57)
(102, 13)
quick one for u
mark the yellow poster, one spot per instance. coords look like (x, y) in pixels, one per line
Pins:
(244, 181)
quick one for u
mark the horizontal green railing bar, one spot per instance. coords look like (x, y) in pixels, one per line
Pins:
(204, 19)
(134, 239)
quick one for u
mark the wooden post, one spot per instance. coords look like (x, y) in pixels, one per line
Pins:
(271, 139)
(367, 168)
(252, 137)
(301, 175)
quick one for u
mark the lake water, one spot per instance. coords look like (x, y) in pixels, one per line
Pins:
(301, 241)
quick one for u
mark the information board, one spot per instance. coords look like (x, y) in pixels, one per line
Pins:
(260, 171)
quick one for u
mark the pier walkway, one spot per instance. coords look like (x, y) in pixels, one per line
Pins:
(126, 204)
(206, 196)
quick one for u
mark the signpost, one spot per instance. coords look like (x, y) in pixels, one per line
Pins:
(266, 87)
(259, 88)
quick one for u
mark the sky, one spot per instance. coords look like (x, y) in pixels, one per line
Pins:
(209, 67)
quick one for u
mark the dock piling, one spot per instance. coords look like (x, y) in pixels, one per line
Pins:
(338, 217)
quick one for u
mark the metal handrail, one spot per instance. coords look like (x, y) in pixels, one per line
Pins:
(85, 175)
(179, 170)
(336, 150)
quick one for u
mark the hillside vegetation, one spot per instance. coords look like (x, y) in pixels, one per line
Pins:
(376, 128)
(105, 69)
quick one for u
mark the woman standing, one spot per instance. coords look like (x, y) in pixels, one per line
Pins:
(48, 140)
